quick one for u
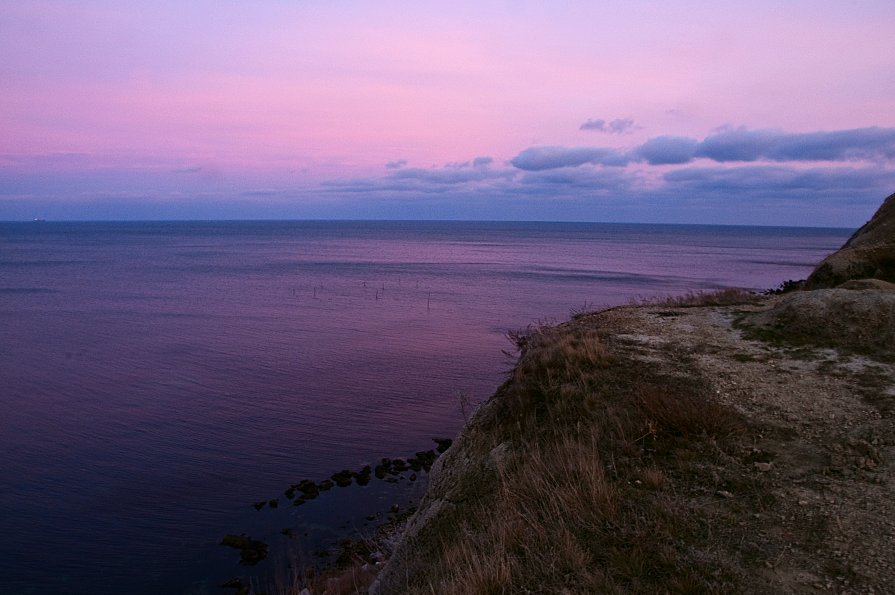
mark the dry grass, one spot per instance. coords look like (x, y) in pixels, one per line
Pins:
(730, 296)
(686, 414)
(584, 498)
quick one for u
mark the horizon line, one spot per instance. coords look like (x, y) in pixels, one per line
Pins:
(383, 220)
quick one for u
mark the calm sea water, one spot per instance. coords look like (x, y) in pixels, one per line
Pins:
(158, 378)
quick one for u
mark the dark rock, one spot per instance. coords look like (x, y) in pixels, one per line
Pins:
(787, 286)
(426, 458)
(259, 505)
(251, 551)
(308, 488)
(326, 484)
(856, 321)
(443, 444)
(235, 583)
(343, 478)
(274, 503)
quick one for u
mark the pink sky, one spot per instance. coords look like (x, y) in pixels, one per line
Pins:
(293, 109)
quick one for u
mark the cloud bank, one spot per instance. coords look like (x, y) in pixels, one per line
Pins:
(725, 146)
(733, 175)
(541, 158)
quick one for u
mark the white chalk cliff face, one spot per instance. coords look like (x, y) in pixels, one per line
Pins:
(868, 254)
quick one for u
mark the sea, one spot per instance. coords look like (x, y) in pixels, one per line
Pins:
(159, 379)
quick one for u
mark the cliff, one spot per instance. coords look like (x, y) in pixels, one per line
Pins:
(869, 253)
(716, 443)
(661, 449)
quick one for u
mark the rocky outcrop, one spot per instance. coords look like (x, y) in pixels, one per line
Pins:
(869, 253)
(858, 316)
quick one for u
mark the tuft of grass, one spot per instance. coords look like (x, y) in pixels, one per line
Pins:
(685, 414)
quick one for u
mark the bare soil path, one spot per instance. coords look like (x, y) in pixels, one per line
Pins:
(822, 442)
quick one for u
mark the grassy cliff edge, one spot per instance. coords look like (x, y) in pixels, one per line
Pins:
(665, 448)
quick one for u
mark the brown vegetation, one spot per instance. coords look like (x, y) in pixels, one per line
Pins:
(728, 296)
(578, 463)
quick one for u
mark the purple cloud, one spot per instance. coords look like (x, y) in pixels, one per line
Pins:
(617, 126)
(742, 144)
(667, 150)
(477, 162)
(769, 181)
(541, 158)
(726, 146)
(398, 164)
(415, 179)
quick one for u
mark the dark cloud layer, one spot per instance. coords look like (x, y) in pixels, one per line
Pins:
(725, 146)
(773, 145)
(666, 150)
(737, 176)
(415, 179)
(776, 180)
(541, 158)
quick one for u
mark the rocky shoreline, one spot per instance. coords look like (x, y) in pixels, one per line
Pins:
(723, 442)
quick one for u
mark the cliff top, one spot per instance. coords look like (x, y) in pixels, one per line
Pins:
(671, 449)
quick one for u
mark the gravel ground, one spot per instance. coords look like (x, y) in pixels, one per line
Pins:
(821, 441)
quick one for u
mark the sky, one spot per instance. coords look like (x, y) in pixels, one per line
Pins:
(762, 112)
